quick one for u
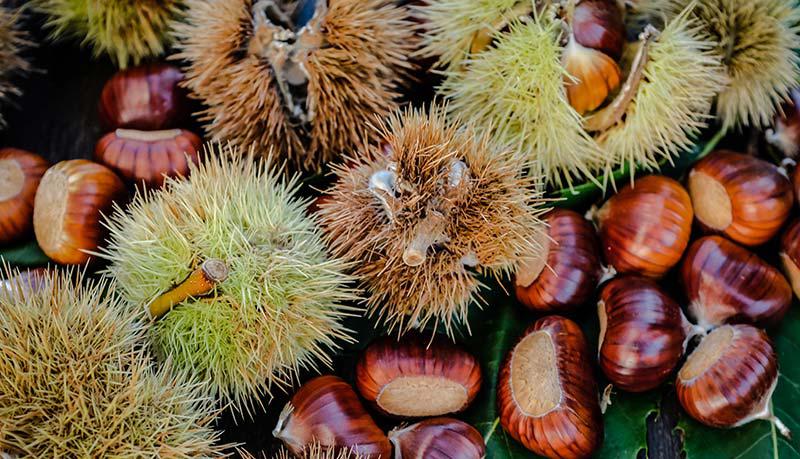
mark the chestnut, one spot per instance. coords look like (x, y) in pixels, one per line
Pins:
(327, 410)
(790, 254)
(745, 198)
(645, 228)
(785, 134)
(147, 97)
(442, 438)
(20, 173)
(148, 156)
(598, 24)
(729, 379)
(567, 276)
(726, 283)
(642, 333)
(417, 376)
(70, 200)
(547, 395)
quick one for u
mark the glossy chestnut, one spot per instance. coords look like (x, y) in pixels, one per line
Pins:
(645, 228)
(441, 438)
(726, 283)
(417, 376)
(785, 133)
(546, 393)
(745, 198)
(790, 255)
(598, 24)
(20, 174)
(567, 275)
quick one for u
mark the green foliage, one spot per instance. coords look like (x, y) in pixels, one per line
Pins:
(26, 254)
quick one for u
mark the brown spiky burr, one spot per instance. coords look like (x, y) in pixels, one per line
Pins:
(423, 221)
(301, 78)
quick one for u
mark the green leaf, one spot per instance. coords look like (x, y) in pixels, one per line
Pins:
(626, 424)
(27, 254)
(758, 439)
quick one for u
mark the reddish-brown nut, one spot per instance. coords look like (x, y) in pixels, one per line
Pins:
(438, 438)
(148, 156)
(20, 173)
(785, 135)
(645, 228)
(598, 24)
(567, 275)
(729, 379)
(790, 255)
(642, 333)
(546, 393)
(417, 376)
(327, 410)
(742, 197)
(69, 203)
(146, 97)
(726, 283)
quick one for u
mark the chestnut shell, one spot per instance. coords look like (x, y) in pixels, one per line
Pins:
(438, 438)
(598, 24)
(16, 212)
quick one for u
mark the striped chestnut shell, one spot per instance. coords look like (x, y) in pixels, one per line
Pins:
(745, 198)
(547, 395)
(729, 379)
(645, 228)
(439, 438)
(417, 376)
(567, 277)
(726, 283)
(642, 333)
(790, 254)
(20, 174)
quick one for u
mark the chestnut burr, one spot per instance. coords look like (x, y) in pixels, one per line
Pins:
(645, 228)
(745, 198)
(729, 379)
(327, 410)
(20, 174)
(417, 376)
(567, 275)
(546, 393)
(726, 283)
(642, 333)
(439, 438)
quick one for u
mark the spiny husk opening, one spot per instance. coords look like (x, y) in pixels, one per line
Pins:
(128, 31)
(279, 308)
(77, 380)
(514, 89)
(350, 62)
(757, 40)
(421, 223)
(13, 40)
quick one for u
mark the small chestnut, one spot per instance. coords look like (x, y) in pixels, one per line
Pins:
(147, 97)
(642, 333)
(148, 156)
(785, 134)
(726, 283)
(790, 254)
(742, 197)
(546, 393)
(440, 438)
(70, 200)
(729, 379)
(567, 276)
(327, 410)
(417, 376)
(645, 228)
(20, 173)
(598, 24)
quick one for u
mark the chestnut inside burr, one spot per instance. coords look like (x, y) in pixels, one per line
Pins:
(792, 272)
(712, 204)
(535, 384)
(707, 353)
(51, 200)
(533, 267)
(12, 179)
(148, 136)
(421, 396)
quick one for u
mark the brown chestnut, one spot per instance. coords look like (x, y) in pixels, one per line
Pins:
(20, 173)
(327, 410)
(785, 134)
(645, 228)
(440, 438)
(742, 197)
(642, 333)
(148, 156)
(790, 255)
(598, 24)
(546, 393)
(567, 276)
(417, 376)
(729, 379)
(726, 283)
(70, 200)
(147, 97)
